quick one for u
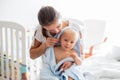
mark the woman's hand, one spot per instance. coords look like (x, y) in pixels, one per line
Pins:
(66, 65)
(51, 41)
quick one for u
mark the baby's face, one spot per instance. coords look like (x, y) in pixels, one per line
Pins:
(67, 41)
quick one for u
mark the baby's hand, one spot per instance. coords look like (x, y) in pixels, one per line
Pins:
(66, 65)
(76, 58)
(78, 61)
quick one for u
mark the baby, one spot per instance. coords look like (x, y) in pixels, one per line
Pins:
(68, 40)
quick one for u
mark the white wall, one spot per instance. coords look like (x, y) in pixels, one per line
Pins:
(107, 10)
(25, 12)
(21, 11)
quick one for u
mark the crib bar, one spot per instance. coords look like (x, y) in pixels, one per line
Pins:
(18, 55)
(0, 39)
(0, 52)
(3, 51)
(12, 55)
(24, 49)
(7, 57)
(2, 56)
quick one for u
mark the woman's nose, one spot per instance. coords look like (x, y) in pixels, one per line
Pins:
(57, 31)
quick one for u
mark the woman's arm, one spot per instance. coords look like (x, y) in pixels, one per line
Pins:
(37, 50)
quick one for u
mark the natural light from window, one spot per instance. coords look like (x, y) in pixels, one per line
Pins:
(107, 10)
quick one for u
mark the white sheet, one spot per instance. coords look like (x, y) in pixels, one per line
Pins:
(102, 68)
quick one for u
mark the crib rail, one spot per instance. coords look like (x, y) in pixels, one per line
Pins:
(12, 50)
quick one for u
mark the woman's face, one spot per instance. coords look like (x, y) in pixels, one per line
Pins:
(54, 28)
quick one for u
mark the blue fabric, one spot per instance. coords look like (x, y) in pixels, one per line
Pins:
(23, 68)
(48, 61)
(53, 70)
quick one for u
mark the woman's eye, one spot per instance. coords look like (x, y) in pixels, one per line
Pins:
(59, 26)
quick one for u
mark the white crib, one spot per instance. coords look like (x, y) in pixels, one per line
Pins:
(13, 48)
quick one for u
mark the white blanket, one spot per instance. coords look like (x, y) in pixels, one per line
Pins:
(102, 68)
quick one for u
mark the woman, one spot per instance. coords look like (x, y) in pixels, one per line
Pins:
(49, 20)
(50, 25)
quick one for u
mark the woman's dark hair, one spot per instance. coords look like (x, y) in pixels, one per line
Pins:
(46, 16)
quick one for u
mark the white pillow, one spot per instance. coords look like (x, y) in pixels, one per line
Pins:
(115, 53)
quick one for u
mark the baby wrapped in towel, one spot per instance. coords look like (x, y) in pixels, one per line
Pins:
(68, 50)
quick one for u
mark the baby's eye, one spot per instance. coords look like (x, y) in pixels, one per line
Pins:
(65, 39)
(72, 42)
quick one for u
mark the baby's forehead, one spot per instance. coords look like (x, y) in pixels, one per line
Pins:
(69, 31)
(69, 37)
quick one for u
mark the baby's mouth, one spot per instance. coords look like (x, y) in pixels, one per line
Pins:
(66, 47)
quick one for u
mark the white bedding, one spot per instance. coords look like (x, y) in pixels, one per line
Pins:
(102, 68)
